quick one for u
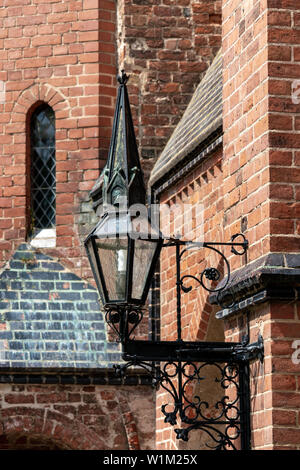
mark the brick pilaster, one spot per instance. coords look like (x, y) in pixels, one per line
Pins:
(261, 177)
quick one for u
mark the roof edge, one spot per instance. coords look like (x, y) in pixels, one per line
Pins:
(201, 119)
(171, 165)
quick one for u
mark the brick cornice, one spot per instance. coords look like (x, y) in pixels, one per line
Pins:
(273, 276)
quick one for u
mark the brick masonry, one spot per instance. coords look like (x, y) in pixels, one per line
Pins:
(260, 43)
(82, 417)
(166, 48)
(58, 389)
(64, 53)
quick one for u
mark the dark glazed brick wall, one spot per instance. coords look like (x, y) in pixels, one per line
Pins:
(49, 317)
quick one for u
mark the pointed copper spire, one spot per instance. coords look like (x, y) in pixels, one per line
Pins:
(122, 176)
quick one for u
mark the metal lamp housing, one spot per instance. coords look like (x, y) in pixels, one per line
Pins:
(123, 250)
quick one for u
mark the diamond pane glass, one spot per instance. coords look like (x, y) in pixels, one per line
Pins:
(43, 165)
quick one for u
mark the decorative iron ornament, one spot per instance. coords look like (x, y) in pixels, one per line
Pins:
(221, 420)
(123, 319)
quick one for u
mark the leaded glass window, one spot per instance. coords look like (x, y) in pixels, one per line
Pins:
(43, 163)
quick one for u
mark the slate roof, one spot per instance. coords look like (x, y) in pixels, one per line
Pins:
(202, 117)
(50, 318)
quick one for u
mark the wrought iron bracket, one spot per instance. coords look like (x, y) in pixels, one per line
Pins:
(248, 352)
(180, 366)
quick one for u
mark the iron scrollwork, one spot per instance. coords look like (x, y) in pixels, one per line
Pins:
(123, 319)
(220, 421)
(213, 274)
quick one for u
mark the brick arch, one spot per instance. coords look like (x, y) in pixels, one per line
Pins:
(39, 92)
(49, 426)
(30, 98)
(23, 107)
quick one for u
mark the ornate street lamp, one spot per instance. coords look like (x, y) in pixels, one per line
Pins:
(123, 250)
(124, 247)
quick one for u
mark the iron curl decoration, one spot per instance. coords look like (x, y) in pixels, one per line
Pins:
(221, 440)
(160, 378)
(221, 425)
(213, 274)
(123, 319)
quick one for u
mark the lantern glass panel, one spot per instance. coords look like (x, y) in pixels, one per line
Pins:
(93, 263)
(144, 251)
(112, 254)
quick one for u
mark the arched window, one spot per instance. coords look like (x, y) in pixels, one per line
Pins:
(42, 170)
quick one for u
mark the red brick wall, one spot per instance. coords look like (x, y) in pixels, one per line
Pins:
(107, 68)
(245, 119)
(260, 140)
(284, 375)
(284, 137)
(275, 397)
(202, 189)
(165, 47)
(76, 417)
(62, 53)
(261, 178)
